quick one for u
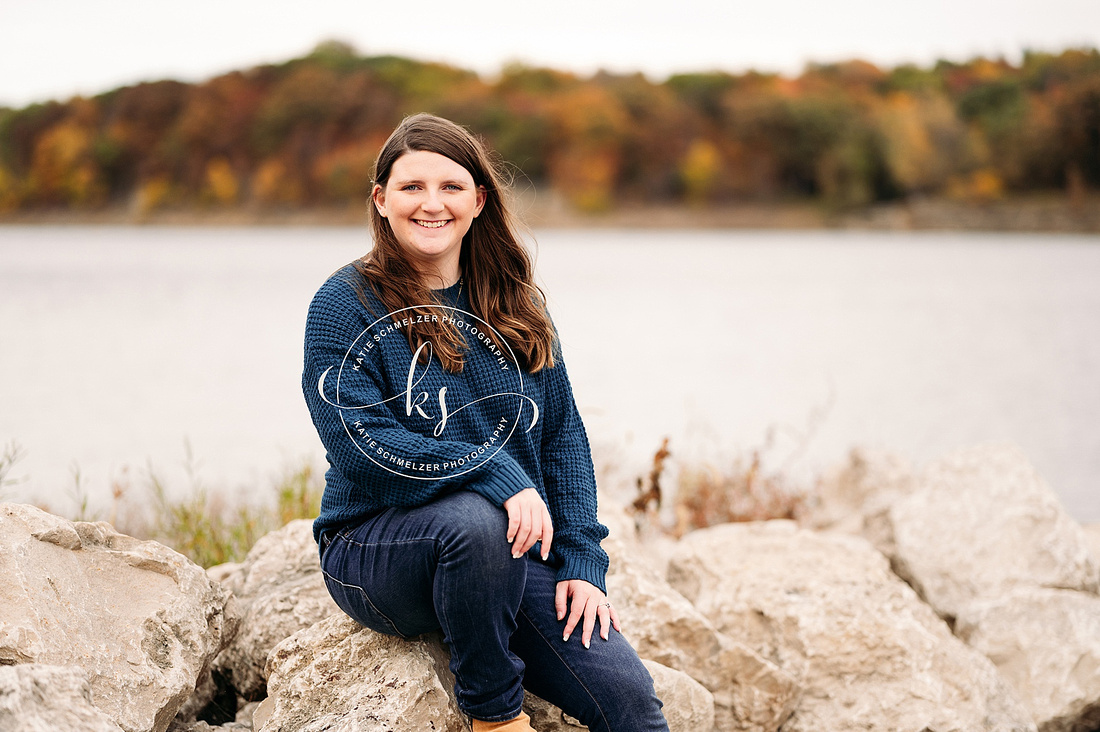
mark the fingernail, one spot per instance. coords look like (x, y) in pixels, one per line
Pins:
(565, 637)
(516, 555)
(586, 645)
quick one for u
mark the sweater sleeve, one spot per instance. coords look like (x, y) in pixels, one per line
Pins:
(570, 484)
(334, 322)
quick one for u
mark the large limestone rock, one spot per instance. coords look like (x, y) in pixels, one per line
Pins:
(974, 529)
(41, 698)
(280, 590)
(688, 706)
(981, 524)
(140, 620)
(750, 692)
(1046, 643)
(339, 676)
(1092, 536)
(826, 609)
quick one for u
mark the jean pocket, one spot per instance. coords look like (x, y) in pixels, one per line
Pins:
(354, 601)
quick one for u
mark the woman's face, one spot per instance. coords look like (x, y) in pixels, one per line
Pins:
(430, 202)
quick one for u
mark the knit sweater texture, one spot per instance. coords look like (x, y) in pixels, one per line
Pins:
(400, 433)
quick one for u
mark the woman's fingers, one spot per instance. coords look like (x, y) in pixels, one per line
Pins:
(528, 522)
(547, 536)
(576, 612)
(529, 532)
(603, 612)
(561, 599)
(590, 608)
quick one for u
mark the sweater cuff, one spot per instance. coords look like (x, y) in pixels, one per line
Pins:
(583, 568)
(501, 479)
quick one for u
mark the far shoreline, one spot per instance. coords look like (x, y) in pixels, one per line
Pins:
(1036, 213)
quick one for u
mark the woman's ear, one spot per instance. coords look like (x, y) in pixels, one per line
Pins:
(481, 196)
(378, 195)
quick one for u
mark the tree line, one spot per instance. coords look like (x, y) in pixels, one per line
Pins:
(305, 133)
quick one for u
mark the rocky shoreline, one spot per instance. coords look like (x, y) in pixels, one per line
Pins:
(957, 597)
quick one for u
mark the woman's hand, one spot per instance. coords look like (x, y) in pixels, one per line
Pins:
(584, 600)
(528, 522)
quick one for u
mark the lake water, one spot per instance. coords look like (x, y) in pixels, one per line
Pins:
(125, 347)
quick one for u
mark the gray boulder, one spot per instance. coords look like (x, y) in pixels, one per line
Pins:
(280, 590)
(39, 698)
(1092, 536)
(750, 692)
(140, 621)
(826, 609)
(1046, 643)
(339, 676)
(981, 524)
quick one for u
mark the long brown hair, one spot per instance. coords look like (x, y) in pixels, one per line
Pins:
(496, 269)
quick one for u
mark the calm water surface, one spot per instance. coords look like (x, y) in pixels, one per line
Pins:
(121, 347)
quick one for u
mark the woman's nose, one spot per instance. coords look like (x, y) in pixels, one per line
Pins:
(432, 202)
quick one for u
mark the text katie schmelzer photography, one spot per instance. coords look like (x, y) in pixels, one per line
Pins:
(420, 404)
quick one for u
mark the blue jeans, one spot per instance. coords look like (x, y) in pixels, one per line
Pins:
(449, 565)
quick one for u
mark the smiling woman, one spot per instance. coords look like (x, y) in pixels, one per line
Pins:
(430, 202)
(477, 518)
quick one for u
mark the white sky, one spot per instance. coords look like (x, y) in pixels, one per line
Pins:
(58, 48)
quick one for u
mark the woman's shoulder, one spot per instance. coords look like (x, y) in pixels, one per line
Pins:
(343, 285)
(344, 295)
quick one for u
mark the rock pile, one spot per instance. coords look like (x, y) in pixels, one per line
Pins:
(957, 598)
(138, 622)
(984, 541)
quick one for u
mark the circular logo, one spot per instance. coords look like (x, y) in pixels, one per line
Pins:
(370, 426)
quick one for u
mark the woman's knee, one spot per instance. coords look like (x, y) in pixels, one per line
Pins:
(473, 523)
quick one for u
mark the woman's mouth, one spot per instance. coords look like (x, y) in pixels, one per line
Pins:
(432, 224)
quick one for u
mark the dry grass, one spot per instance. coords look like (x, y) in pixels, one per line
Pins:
(706, 494)
(209, 525)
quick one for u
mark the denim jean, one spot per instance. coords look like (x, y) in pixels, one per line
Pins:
(448, 565)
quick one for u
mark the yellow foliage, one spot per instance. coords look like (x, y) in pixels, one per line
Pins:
(272, 184)
(152, 194)
(10, 195)
(221, 184)
(62, 170)
(587, 178)
(981, 186)
(699, 170)
(923, 139)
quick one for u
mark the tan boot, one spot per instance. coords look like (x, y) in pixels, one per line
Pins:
(522, 723)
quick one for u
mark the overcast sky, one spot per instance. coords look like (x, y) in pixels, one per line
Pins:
(58, 48)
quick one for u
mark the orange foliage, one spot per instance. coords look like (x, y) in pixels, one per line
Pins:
(306, 132)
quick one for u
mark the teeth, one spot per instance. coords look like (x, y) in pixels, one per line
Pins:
(431, 224)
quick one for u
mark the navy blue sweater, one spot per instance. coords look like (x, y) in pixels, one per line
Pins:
(399, 435)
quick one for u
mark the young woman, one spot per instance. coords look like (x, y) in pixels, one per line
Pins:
(460, 492)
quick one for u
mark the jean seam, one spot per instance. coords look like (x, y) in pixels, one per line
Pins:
(362, 591)
(569, 668)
